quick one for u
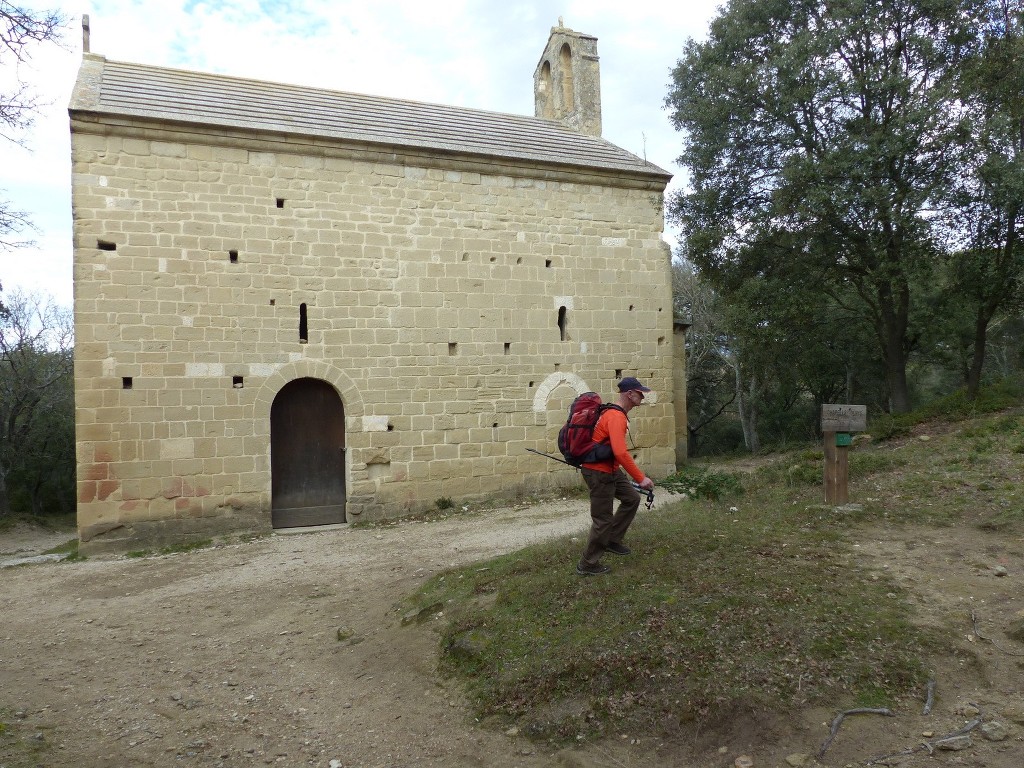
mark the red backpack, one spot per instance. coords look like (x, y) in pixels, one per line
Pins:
(576, 438)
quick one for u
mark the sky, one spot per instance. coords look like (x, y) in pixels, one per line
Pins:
(468, 53)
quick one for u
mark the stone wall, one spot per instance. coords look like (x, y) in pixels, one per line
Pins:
(432, 289)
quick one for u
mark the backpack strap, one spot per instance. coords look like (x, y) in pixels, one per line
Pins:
(610, 407)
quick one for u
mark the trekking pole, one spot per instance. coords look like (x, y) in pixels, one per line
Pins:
(649, 492)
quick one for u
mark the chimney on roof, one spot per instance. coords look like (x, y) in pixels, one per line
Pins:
(567, 81)
(85, 33)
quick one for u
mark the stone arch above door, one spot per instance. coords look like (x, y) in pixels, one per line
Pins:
(308, 369)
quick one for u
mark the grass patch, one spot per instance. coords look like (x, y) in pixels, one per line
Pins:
(723, 607)
(21, 746)
(68, 548)
(743, 596)
(999, 396)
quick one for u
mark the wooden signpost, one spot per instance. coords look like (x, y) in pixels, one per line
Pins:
(837, 422)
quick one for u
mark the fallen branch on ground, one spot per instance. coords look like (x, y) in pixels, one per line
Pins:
(977, 634)
(930, 745)
(842, 716)
(930, 698)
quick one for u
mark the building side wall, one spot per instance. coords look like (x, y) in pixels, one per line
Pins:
(432, 296)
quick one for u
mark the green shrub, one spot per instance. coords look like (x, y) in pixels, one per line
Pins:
(701, 483)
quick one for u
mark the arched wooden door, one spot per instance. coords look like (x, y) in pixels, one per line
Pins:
(307, 455)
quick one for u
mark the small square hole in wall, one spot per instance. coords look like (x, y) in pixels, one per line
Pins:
(233, 257)
(495, 424)
(661, 340)
(618, 373)
(273, 302)
(531, 384)
(508, 348)
(493, 259)
(630, 307)
(465, 257)
(106, 245)
(280, 202)
(236, 382)
(126, 382)
(547, 263)
(519, 260)
(391, 427)
(453, 349)
(557, 366)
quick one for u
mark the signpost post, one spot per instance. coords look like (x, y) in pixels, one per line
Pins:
(837, 422)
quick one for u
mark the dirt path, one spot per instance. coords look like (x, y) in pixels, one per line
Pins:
(230, 657)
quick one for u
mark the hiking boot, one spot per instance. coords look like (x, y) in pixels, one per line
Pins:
(617, 549)
(585, 569)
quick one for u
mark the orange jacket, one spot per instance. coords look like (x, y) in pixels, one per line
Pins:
(611, 428)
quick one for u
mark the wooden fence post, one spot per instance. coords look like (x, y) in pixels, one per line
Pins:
(836, 422)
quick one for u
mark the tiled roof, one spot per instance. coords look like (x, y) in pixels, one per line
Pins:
(135, 90)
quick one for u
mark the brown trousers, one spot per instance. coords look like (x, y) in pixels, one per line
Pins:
(605, 527)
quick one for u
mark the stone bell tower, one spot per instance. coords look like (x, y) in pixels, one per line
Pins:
(567, 82)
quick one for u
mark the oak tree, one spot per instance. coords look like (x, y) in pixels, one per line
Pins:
(817, 138)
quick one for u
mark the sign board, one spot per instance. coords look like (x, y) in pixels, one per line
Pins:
(844, 418)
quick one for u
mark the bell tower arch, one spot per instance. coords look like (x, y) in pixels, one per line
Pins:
(567, 81)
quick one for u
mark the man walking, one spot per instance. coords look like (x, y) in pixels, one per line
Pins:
(607, 483)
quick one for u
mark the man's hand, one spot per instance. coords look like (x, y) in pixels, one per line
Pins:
(646, 484)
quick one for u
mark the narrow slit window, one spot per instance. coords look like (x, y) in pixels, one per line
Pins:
(303, 325)
(237, 382)
(106, 245)
(618, 373)
(508, 348)
(562, 322)
(126, 382)
(279, 202)
(233, 257)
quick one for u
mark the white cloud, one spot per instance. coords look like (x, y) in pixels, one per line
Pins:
(472, 53)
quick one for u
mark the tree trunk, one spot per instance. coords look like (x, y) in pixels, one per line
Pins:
(978, 356)
(5, 503)
(894, 303)
(896, 377)
(747, 404)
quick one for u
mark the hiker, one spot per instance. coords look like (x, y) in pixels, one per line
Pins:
(608, 483)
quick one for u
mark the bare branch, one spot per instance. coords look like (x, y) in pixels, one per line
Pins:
(21, 27)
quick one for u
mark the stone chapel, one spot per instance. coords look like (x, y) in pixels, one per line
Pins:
(299, 307)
